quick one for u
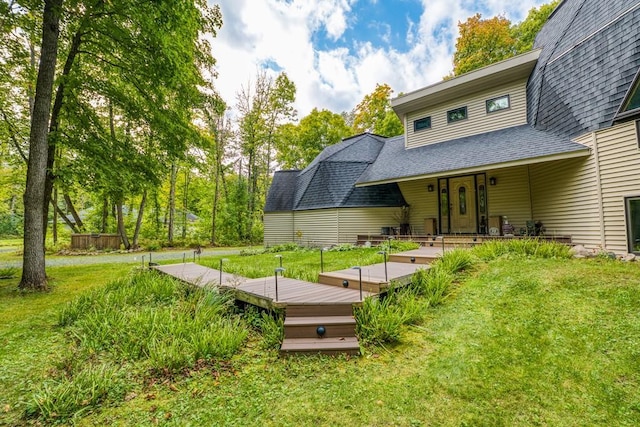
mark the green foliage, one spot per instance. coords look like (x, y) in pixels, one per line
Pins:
(455, 261)
(525, 32)
(485, 41)
(434, 284)
(8, 272)
(152, 318)
(271, 326)
(374, 113)
(379, 320)
(297, 145)
(521, 248)
(482, 42)
(67, 397)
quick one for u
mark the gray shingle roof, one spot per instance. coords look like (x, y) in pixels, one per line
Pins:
(591, 53)
(484, 150)
(282, 191)
(329, 181)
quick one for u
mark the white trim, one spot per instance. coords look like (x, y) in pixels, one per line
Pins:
(594, 143)
(482, 168)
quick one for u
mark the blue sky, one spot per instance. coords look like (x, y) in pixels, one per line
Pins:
(335, 51)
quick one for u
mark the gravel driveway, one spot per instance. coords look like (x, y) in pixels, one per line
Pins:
(131, 258)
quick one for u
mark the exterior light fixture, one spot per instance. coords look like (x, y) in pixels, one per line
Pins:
(279, 256)
(345, 283)
(493, 180)
(430, 188)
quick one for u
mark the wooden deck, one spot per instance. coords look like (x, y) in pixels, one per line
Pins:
(262, 292)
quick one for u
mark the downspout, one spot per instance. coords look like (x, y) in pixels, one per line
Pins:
(594, 143)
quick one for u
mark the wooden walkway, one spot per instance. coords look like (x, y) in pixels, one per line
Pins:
(262, 292)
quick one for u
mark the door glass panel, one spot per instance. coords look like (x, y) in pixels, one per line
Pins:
(462, 197)
(444, 202)
(633, 214)
(482, 204)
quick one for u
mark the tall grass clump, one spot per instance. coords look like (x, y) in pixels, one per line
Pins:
(433, 284)
(455, 261)
(521, 248)
(379, 320)
(66, 397)
(167, 325)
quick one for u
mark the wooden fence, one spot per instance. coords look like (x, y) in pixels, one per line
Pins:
(95, 241)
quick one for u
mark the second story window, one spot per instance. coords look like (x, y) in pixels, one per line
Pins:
(456, 114)
(420, 124)
(497, 104)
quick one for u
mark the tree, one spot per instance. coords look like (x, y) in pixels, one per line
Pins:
(33, 270)
(262, 108)
(146, 60)
(482, 42)
(298, 145)
(374, 113)
(525, 32)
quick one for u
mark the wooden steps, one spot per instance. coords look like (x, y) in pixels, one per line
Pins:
(328, 328)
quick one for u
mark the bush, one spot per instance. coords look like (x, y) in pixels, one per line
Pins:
(272, 327)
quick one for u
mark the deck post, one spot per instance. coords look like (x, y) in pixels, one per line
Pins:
(359, 279)
(384, 255)
(277, 270)
(220, 269)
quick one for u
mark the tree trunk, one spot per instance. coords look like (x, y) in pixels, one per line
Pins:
(72, 210)
(33, 265)
(121, 228)
(62, 215)
(136, 233)
(185, 202)
(172, 202)
(55, 217)
(105, 215)
(55, 118)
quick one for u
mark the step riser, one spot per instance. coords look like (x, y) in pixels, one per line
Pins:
(406, 259)
(319, 310)
(331, 331)
(353, 283)
(352, 352)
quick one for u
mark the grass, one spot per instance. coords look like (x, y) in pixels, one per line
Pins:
(521, 339)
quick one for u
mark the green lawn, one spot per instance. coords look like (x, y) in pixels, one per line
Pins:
(520, 341)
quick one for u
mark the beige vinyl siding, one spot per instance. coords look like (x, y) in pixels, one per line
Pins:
(478, 120)
(423, 204)
(278, 228)
(565, 198)
(619, 161)
(510, 196)
(316, 227)
(354, 221)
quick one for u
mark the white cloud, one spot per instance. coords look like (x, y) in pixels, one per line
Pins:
(282, 31)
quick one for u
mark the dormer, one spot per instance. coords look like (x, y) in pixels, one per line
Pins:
(484, 100)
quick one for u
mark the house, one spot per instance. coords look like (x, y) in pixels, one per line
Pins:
(550, 137)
